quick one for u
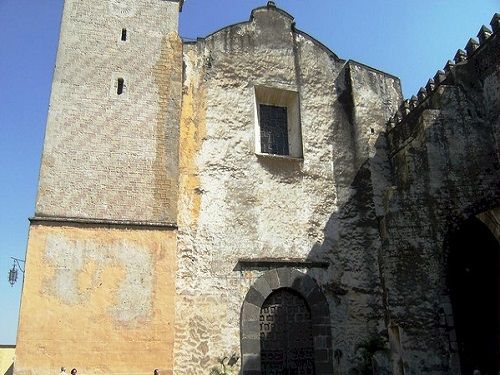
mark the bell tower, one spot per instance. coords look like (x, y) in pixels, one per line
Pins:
(99, 282)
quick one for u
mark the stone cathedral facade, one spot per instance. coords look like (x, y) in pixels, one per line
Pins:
(251, 201)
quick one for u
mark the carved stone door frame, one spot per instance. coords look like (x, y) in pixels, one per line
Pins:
(307, 288)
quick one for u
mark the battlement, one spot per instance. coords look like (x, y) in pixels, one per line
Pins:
(468, 64)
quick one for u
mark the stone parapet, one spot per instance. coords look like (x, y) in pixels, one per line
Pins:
(470, 65)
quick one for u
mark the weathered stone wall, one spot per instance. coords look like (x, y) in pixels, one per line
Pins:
(235, 204)
(98, 299)
(110, 156)
(445, 158)
(354, 247)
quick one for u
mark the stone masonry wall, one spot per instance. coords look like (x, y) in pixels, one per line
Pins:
(110, 156)
(235, 204)
(445, 159)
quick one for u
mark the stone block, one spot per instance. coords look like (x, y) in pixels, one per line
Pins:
(254, 297)
(250, 362)
(320, 342)
(250, 329)
(250, 312)
(321, 330)
(250, 345)
(262, 286)
(272, 279)
(324, 368)
(317, 301)
(284, 277)
(304, 284)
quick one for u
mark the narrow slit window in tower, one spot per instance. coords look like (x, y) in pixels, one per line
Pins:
(124, 35)
(119, 89)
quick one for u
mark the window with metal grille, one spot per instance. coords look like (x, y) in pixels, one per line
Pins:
(277, 123)
(273, 129)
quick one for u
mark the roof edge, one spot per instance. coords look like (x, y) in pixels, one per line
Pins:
(316, 41)
(272, 5)
(350, 61)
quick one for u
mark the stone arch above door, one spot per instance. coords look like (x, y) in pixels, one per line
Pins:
(308, 289)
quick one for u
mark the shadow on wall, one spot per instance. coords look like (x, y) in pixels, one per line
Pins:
(473, 281)
(354, 287)
(7, 353)
(386, 244)
(10, 370)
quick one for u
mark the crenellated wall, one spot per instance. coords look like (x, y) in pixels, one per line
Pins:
(473, 69)
(443, 150)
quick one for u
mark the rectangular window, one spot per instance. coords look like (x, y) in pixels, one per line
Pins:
(119, 88)
(277, 122)
(273, 130)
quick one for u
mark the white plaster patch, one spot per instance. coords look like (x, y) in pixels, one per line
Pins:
(69, 257)
(135, 293)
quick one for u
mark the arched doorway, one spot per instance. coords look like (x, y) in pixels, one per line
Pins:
(473, 281)
(286, 340)
(295, 304)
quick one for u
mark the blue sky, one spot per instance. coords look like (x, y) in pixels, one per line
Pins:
(409, 39)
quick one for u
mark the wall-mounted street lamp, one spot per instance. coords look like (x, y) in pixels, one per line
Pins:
(13, 271)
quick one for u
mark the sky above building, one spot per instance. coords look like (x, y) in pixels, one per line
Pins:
(409, 39)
